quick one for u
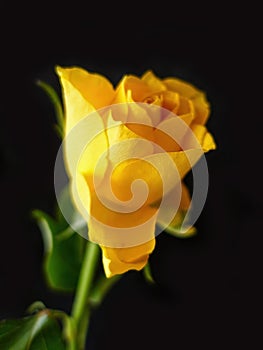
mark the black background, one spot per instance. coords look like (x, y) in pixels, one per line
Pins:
(209, 288)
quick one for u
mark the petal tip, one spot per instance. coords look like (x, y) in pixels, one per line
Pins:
(58, 70)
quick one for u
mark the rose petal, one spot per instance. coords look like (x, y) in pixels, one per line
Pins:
(185, 197)
(173, 227)
(201, 108)
(155, 84)
(198, 97)
(170, 133)
(119, 229)
(208, 142)
(139, 89)
(202, 136)
(121, 93)
(161, 172)
(172, 166)
(85, 145)
(183, 88)
(117, 261)
(171, 100)
(76, 106)
(185, 106)
(124, 144)
(95, 88)
(81, 195)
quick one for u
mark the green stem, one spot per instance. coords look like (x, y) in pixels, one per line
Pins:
(83, 327)
(80, 305)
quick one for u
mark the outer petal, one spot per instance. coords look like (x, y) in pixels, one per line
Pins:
(110, 228)
(204, 138)
(117, 261)
(161, 172)
(201, 108)
(106, 213)
(85, 143)
(86, 140)
(95, 88)
(76, 106)
(185, 198)
(121, 230)
(83, 93)
(81, 195)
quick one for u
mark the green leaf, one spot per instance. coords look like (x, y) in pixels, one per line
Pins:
(177, 232)
(147, 273)
(64, 249)
(40, 331)
(63, 252)
(49, 337)
(57, 106)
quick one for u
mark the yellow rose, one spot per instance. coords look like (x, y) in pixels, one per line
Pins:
(105, 170)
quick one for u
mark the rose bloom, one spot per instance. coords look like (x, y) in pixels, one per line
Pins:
(84, 95)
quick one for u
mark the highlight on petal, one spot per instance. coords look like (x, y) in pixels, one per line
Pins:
(85, 144)
(75, 105)
(120, 260)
